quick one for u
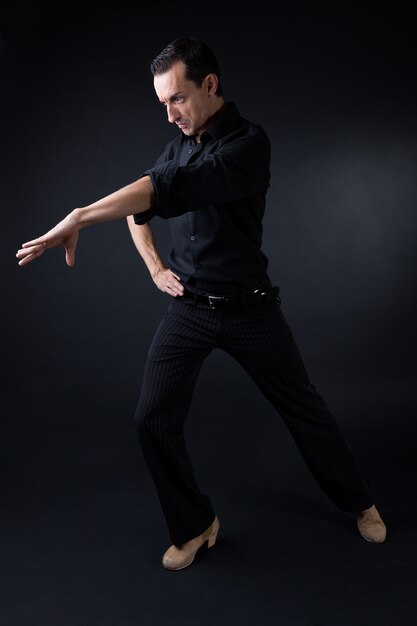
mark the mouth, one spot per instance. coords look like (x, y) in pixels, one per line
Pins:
(181, 125)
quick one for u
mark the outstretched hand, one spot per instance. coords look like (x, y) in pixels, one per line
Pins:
(64, 234)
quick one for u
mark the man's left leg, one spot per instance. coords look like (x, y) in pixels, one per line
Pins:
(262, 342)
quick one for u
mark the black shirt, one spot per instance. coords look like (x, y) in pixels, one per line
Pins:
(213, 194)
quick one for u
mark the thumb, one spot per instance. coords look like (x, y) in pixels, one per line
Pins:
(70, 255)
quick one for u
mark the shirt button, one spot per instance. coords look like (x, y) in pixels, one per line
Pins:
(192, 237)
(190, 151)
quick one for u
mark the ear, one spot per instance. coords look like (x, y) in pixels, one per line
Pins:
(211, 81)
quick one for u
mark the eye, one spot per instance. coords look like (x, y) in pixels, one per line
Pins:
(177, 99)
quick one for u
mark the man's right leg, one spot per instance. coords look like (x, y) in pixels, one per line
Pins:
(181, 343)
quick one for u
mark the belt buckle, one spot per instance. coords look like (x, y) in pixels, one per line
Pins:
(213, 299)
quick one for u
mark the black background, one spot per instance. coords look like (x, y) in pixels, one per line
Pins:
(333, 84)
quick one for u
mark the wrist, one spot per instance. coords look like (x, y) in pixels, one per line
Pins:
(79, 218)
(156, 271)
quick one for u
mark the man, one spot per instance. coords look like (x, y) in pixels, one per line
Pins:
(211, 182)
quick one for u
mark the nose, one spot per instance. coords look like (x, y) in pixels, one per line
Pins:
(173, 114)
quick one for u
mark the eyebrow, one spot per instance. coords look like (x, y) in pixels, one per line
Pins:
(174, 95)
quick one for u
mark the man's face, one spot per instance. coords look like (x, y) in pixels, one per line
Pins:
(188, 106)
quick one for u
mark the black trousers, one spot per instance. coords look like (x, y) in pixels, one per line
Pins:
(260, 340)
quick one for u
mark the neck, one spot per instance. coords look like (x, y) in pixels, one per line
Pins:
(217, 106)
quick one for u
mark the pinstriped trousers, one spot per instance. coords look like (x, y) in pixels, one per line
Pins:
(260, 340)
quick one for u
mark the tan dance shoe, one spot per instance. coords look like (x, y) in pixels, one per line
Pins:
(371, 526)
(178, 557)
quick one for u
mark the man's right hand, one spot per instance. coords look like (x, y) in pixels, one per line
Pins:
(168, 282)
(64, 234)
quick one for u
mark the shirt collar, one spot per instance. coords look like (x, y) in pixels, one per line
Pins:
(222, 123)
(224, 120)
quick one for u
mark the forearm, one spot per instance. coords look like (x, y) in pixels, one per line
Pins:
(145, 243)
(134, 198)
(163, 277)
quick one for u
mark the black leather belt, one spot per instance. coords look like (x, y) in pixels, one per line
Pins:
(236, 301)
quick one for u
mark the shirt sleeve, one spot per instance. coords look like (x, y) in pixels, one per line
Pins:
(145, 216)
(161, 177)
(237, 170)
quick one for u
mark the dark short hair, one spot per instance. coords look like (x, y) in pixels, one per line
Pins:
(198, 58)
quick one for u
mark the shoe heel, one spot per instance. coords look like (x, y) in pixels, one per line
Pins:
(212, 539)
(215, 529)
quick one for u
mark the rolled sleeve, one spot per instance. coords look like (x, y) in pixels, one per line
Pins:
(161, 177)
(236, 171)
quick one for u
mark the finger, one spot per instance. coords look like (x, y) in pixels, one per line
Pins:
(30, 250)
(177, 289)
(35, 242)
(170, 289)
(70, 256)
(175, 280)
(31, 257)
(175, 286)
